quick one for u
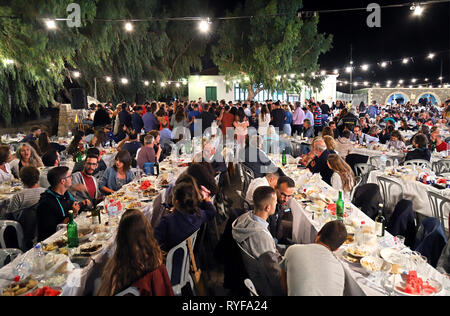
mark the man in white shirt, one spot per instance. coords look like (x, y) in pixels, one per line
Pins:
(269, 179)
(314, 270)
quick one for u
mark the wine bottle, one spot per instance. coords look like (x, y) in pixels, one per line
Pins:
(380, 222)
(72, 232)
(340, 207)
(283, 158)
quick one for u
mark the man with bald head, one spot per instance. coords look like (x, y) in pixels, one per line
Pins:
(319, 163)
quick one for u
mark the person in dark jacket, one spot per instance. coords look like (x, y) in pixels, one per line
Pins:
(319, 163)
(137, 124)
(125, 116)
(420, 142)
(101, 117)
(55, 203)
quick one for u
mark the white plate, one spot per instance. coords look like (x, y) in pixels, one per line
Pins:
(352, 249)
(400, 283)
(386, 254)
(89, 245)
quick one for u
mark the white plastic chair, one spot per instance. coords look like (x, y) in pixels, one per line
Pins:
(11, 253)
(131, 291)
(437, 202)
(185, 276)
(4, 224)
(441, 167)
(419, 163)
(251, 287)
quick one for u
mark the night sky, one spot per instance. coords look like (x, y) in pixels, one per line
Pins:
(401, 35)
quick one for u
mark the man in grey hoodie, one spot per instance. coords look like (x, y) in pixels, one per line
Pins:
(251, 233)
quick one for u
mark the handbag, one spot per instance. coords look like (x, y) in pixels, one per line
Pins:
(196, 273)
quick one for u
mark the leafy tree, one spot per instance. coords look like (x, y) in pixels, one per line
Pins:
(263, 52)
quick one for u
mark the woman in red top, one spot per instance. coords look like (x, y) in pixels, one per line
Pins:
(162, 115)
(227, 118)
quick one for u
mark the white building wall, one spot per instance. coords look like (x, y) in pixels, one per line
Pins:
(198, 84)
(328, 92)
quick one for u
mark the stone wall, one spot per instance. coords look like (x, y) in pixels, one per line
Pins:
(67, 119)
(381, 95)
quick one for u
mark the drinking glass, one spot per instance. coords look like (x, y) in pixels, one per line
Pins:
(399, 242)
(420, 263)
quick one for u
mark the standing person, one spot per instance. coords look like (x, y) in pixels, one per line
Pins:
(165, 134)
(287, 127)
(207, 117)
(101, 117)
(297, 119)
(5, 168)
(194, 124)
(325, 108)
(226, 118)
(241, 126)
(373, 110)
(55, 203)
(118, 175)
(136, 120)
(150, 121)
(317, 119)
(313, 270)
(278, 116)
(125, 116)
(263, 120)
(137, 260)
(308, 114)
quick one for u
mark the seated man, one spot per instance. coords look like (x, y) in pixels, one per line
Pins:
(360, 137)
(85, 186)
(34, 135)
(50, 159)
(313, 270)
(101, 165)
(250, 231)
(319, 163)
(147, 152)
(437, 142)
(130, 144)
(269, 179)
(280, 223)
(31, 192)
(55, 203)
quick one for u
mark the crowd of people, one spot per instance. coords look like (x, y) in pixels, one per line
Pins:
(146, 133)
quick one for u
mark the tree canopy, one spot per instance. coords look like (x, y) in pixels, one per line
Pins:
(274, 50)
(37, 64)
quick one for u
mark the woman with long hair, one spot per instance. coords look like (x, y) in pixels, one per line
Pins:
(343, 178)
(263, 120)
(118, 175)
(329, 141)
(77, 144)
(397, 141)
(99, 139)
(137, 254)
(25, 156)
(241, 126)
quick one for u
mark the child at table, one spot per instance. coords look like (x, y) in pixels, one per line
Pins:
(396, 142)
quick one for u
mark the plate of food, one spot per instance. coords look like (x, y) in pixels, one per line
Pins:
(101, 237)
(134, 205)
(91, 248)
(358, 251)
(410, 284)
(46, 291)
(20, 288)
(374, 264)
(350, 259)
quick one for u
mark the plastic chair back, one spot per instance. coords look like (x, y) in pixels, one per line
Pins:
(8, 255)
(363, 170)
(185, 266)
(4, 224)
(437, 203)
(419, 163)
(248, 177)
(131, 291)
(251, 287)
(391, 191)
(442, 166)
(375, 161)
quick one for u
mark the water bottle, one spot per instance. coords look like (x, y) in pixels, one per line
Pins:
(69, 134)
(395, 163)
(383, 160)
(113, 212)
(38, 261)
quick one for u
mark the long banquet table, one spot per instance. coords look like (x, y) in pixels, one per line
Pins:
(82, 281)
(306, 226)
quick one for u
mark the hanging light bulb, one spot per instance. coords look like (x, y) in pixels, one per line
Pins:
(348, 69)
(365, 67)
(431, 55)
(108, 79)
(51, 24)
(177, 85)
(413, 80)
(405, 61)
(323, 73)
(76, 74)
(128, 27)
(203, 26)
(418, 10)
(124, 80)
(336, 71)
(146, 83)
(163, 84)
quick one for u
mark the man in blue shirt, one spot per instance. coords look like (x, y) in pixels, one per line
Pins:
(150, 121)
(136, 119)
(373, 109)
(165, 135)
(35, 133)
(193, 115)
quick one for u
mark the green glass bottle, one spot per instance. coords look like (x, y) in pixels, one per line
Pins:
(283, 158)
(340, 207)
(79, 156)
(380, 222)
(72, 232)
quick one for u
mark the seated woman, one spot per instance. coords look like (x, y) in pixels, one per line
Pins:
(192, 208)
(45, 145)
(137, 260)
(343, 178)
(396, 142)
(329, 141)
(420, 142)
(118, 175)
(5, 168)
(99, 140)
(25, 156)
(77, 145)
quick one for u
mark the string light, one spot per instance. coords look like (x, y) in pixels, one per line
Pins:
(204, 25)
(76, 74)
(383, 64)
(405, 60)
(430, 56)
(51, 24)
(128, 27)
(146, 83)
(365, 67)
(8, 61)
(348, 69)
(124, 80)
(108, 79)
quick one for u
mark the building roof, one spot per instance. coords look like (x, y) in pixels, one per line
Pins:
(214, 71)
